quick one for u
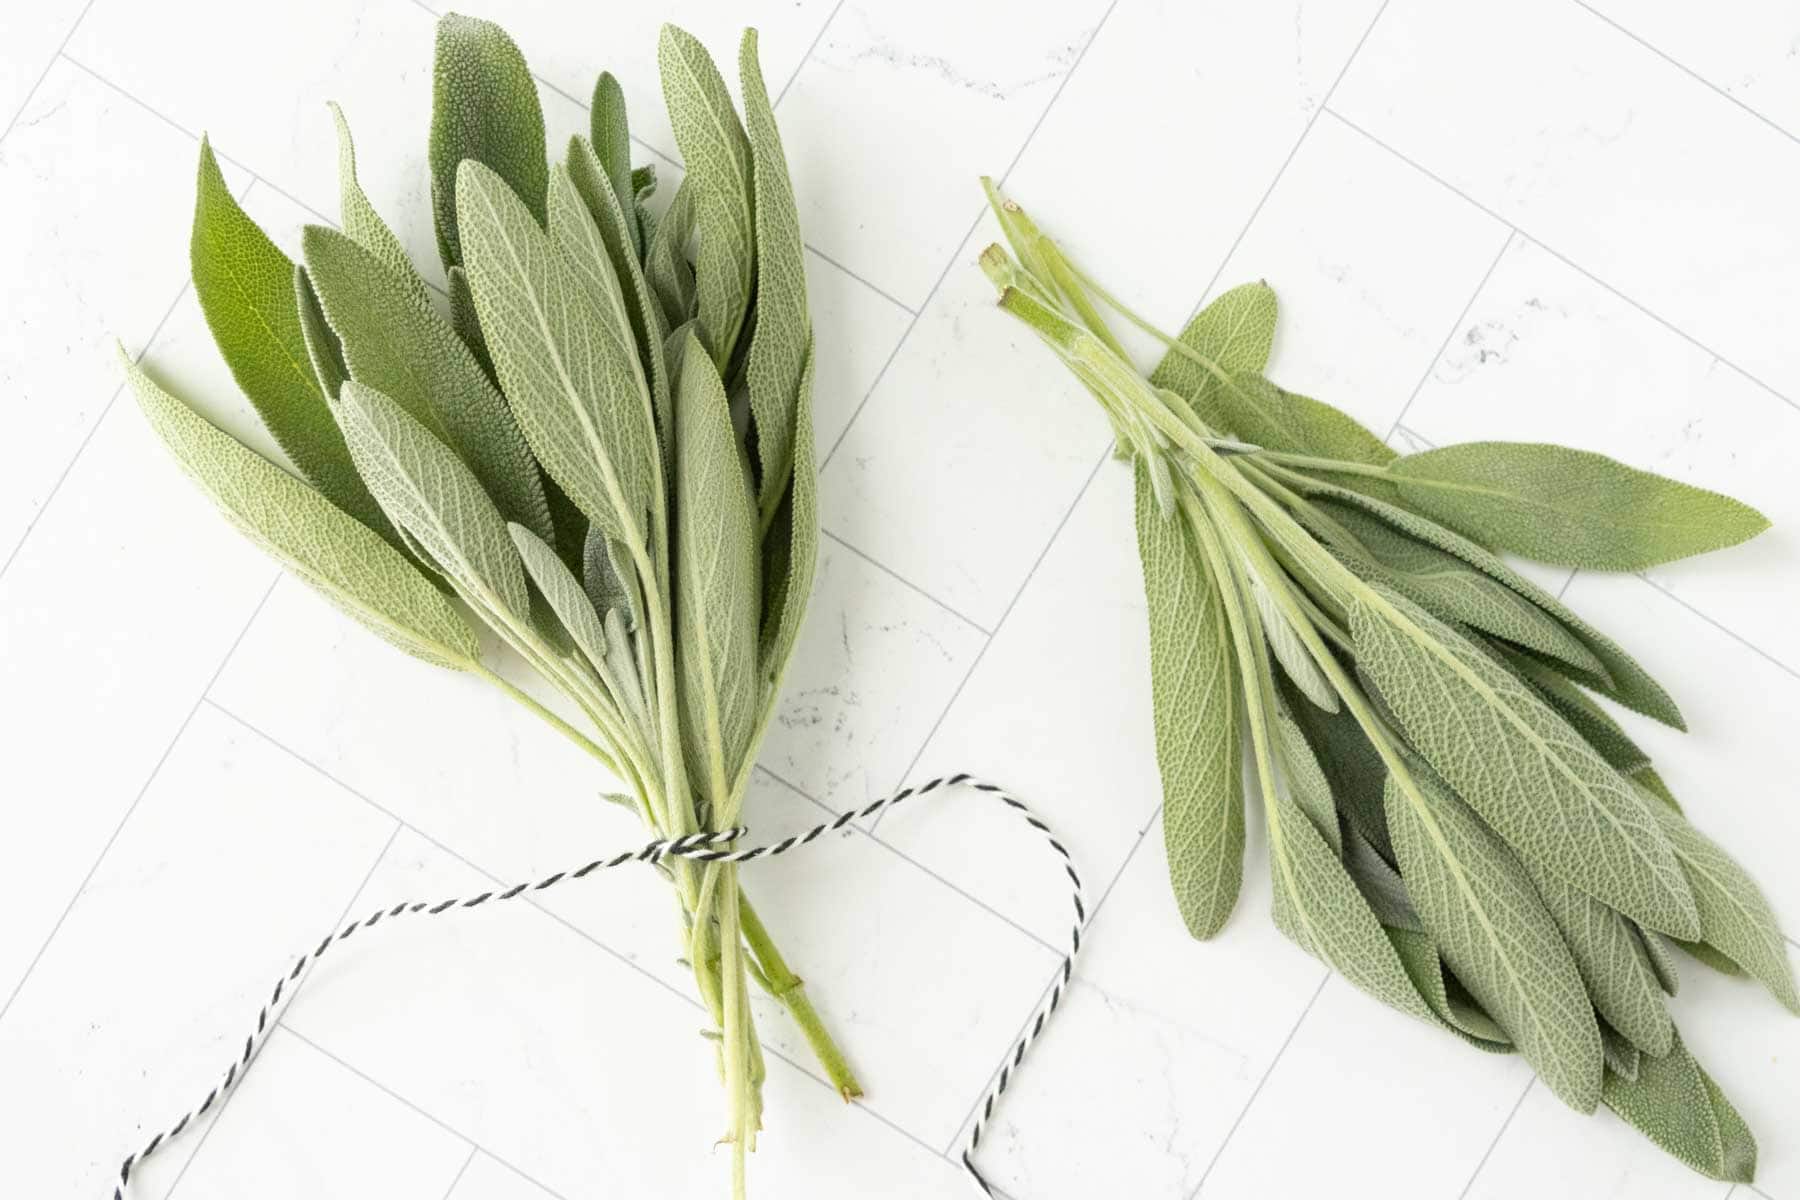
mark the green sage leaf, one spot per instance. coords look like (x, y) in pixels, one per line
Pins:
(1624, 681)
(790, 549)
(1735, 917)
(1659, 951)
(1676, 1104)
(611, 135)
(411, 355)
(466, 321)
(1380, 884)
(363, 225)
(1253, 409)
(1495, 933)
(1290, 651)
(1193, 697)
(246, 290)
(1570, 507)
(666, 265)
(1519, 765)
(570, 372)
(484, 107)
(1352, 766)
(1304, 777)
(610, 580)
(316, 540)
(717, 586)
(1622, 1057)
(1587, 718)
(779, 341)
(562, 590)
(1620, 980)
(432, 494)
(1453, 1005)
(322, 346)
(1235, 333)
(716, 152)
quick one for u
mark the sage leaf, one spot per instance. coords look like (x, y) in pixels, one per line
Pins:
(1587, 718)
(363, 225)
(1676, 1104)
(245, 285)
(778, 344)
(666, 266)
(1305, 779)
(1452, 590)
(325, 547)
(465, 320)
(484, 107)
(717, 586)
(1352, 766)
(1289, 651)
(1193, 698)
(1735, 917)
(411, 355)
(1624, 681)
(432, 494)
(1379, 884)
(1570, 507)
(610, 580)
(570, 373)
(1492, 929)
(1711, 956)
(1536, 782)
(790, 549)
(716, 152)
(1235, 332)
(1317, 905)
(1659, 951)
(1249, 407)
(1622, 1057)
(562, 590)
(611, 135)
(1620, 980)
(1652, 785)
(1453, 1006)
(323, 349)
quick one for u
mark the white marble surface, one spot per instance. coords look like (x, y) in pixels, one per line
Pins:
(1555, 219)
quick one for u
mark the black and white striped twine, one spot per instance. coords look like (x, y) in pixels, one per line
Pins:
(700, 847)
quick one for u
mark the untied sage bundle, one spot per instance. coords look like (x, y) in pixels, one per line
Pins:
(1455, 824)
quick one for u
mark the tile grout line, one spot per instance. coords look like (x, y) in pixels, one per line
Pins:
(1431, 365)
(1726, 630)
(898, 303)
(142, 791)
(1018, 593)
(1031, 1014)
(775, 104)
(1498, 1134)
(45, 73)
(905, 582)
(293, 994)
(1257, 1090)
(474, 1149)
(1688, 71)
(924, 304)
(1565, 260)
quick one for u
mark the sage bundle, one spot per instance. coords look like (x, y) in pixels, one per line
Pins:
(597, 450)
(1455, 823)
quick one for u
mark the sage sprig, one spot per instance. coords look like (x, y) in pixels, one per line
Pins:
(603, 454)
(1455, 824)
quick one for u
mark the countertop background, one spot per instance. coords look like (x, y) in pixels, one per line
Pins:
(1541, 220)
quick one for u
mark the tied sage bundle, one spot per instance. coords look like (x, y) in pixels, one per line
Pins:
(1455, 824)
(602, 455)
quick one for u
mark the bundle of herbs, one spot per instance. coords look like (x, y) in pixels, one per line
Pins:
(1455, 824)
(597, 448)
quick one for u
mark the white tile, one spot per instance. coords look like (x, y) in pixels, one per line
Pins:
(968, 453)
(570, 1066)
(874, 667)
(1363, 1082)
(923, 989)
(1727, 771)
(1745, 48)
(489, 1179)
(92, 255)
(855, 331)
(1611, 156)
(937, 94)
(1139, 151)
(1550, 1152)
(1157, 1048)
(1546, 354)
(117, 611)
(571, 45)
(1059, 711)
(236, 860)
(1370, 283)
(374, 59)
(303, 1126)
(29, 36)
